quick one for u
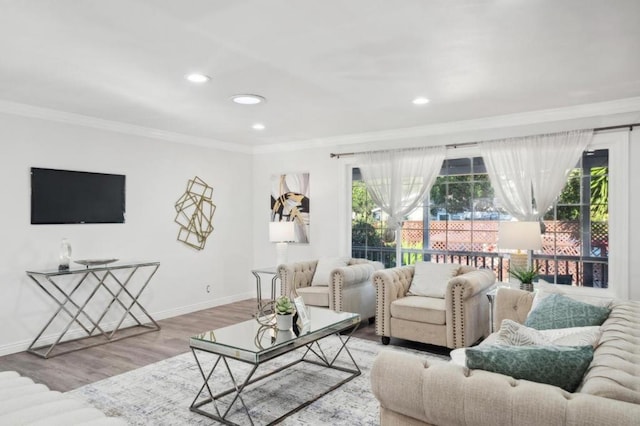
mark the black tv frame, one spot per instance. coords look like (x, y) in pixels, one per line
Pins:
(76, 197)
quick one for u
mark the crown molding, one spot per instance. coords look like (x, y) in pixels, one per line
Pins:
(619, 106)
(31, 111)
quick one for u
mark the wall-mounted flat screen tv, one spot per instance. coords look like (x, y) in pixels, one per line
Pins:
(65, 196)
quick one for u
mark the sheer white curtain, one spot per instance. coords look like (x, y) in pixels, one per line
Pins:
(532, 167)
(398, 181)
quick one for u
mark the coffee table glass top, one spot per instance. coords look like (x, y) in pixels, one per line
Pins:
(251, 341)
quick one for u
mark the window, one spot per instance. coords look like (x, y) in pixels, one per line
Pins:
(459, 223)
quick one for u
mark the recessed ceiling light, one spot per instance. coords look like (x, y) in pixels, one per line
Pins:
(248, 99)
(258, 126)
(420, 101)
(197, 78)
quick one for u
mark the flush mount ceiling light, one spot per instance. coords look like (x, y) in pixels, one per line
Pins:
(248, 99)
(258, 126)
(197, 78)
(420, 101)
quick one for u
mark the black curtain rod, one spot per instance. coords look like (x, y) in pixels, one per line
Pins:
(458, 145)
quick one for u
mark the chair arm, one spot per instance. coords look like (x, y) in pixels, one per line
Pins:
(467, 307)
(301, 272)
(396, 381)
(352, 274)
(512, 304)
(391, 284)
(346, 277)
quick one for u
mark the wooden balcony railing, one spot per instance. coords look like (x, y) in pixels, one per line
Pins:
(561, 269)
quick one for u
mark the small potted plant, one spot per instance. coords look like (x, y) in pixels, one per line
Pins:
(284, 313)
(525, 276)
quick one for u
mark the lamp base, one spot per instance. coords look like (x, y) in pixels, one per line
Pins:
(518, 261)
(281, 253)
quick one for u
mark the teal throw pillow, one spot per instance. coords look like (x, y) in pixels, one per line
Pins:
(558, 311)
(561, 366)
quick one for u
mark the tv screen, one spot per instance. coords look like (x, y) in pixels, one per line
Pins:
(65, 196)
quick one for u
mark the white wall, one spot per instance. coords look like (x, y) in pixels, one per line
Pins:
(156, 175)
(329, 193)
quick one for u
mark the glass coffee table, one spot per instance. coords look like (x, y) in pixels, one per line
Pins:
(253, 343)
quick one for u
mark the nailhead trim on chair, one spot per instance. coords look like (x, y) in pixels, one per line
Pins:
(380, 304)
(457, 291)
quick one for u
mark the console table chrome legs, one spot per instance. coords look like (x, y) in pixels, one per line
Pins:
(98, 303)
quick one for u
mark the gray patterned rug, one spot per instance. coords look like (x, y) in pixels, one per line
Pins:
(161, 393)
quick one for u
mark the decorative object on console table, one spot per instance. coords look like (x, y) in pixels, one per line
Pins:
(284, 313)
(195, 213)
(65, 255)
(520, 236)
(281, 233)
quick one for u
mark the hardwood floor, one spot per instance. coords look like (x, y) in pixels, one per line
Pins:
(72, 370)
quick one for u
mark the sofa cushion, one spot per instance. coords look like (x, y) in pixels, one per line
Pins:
(315, 296)
(324, 267)
(561, 366)
(429, 310)
(559, 311)
(516, 334)
(431, 279)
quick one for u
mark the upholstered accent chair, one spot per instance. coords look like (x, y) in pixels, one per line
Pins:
(340, 284)
(443, 304)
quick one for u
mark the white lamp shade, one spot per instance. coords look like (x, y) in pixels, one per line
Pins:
(280, 232)
(519, 236)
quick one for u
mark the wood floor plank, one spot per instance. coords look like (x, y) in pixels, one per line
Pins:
(72, 370)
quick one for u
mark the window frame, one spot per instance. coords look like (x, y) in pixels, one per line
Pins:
(617, 142)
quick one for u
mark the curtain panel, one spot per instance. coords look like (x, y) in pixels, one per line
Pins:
(399, 180)
(528, 173)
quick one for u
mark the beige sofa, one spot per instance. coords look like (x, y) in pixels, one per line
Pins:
(456, 320)
(415, 391)
(23, 402)
(349, 287)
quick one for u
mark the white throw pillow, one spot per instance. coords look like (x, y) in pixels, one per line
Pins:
(324, 267)
(431, 279)
(545, 289)
(516, 334)
(574, 336)
(459, 356)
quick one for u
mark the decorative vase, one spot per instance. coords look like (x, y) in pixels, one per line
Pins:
(526, 286)
(284, 322)
(65, 254)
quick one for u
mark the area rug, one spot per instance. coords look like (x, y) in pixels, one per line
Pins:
(161, 393)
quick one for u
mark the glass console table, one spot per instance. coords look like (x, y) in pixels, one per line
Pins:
(98, 300)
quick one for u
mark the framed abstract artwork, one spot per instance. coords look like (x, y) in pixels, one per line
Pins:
(290, 202)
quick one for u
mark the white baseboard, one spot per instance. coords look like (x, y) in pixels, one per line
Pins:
(23, 345)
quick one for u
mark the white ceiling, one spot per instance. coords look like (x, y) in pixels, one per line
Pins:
(327, 67)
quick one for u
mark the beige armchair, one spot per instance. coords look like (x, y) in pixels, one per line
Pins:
(457, 319)
(348, 288)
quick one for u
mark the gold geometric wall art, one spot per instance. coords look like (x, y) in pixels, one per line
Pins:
(195, 213)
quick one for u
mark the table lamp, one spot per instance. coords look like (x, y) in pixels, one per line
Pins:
(519, 236)
(281, 233)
